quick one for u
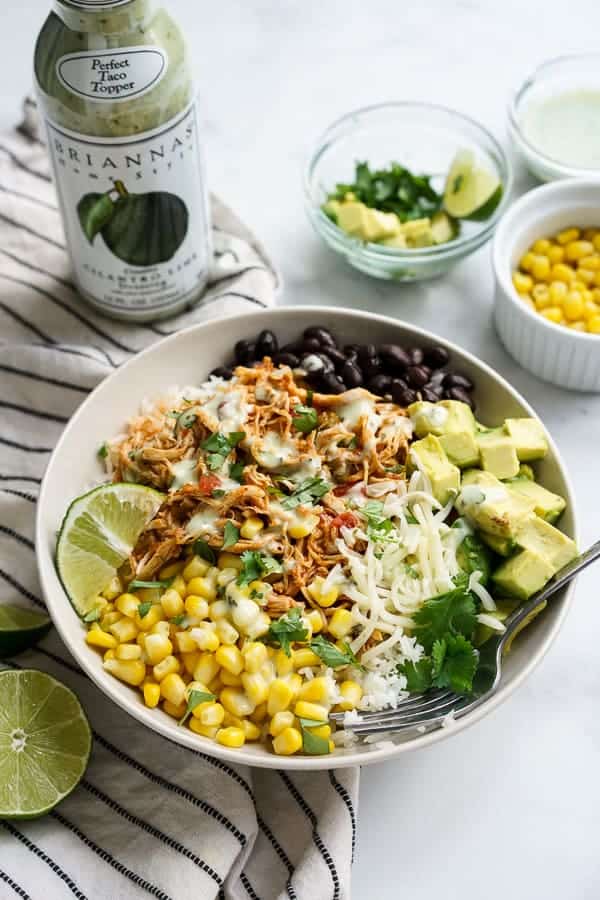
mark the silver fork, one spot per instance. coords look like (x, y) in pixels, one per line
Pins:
(427, 711)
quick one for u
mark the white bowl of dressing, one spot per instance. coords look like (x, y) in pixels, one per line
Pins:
(554, 118)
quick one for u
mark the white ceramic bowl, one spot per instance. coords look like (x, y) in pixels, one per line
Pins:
(186, 358)
(569, 359)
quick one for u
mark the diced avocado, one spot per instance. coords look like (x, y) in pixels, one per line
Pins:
(350, 218)
(331, 209)
(547, 505)
(417, 232)
(472, 555)
(443, 228)
(526, 471)
(498, 454)
(547, 541)
(454, 424)
(365, 223)
(443, 475)
(528, 438)
(503, 610)
(490, 506)
(398, 241)
(523, 574)
(388, 224)
(501, 546)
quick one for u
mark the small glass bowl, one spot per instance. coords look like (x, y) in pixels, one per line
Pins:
(424, 138)
(562, 74)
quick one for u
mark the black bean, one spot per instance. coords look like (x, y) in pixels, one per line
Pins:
(455, 379)
(371, 367)
(245, 352)
(266, 344)
(323, 335)
(417, 376)
(314, 363)
(416, 356)
(380, 384)
(394, 358)
(457, 393)
(222, 372)
(351, 374)
(401, 393)
(437, 378)
(431, 395)
(367, 351)
(293, 347)
(351, 351)
(310, 345)
(435, 389)
(436, 357)
(335, 355)
(332, 384)
(287, 359)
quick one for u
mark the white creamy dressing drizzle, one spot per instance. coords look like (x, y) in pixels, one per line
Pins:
(203, 523)
(273, 451)
(184, 472)
(228, 409)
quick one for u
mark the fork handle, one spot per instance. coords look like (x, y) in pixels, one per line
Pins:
(562, 577)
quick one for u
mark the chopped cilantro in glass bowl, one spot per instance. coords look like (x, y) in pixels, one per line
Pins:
(401, 152)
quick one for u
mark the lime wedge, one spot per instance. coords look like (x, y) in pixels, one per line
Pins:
(20, 629)
(470, 191)
(99, 531)
(45, 743)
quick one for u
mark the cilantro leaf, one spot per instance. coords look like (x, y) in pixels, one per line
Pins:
(103, 451)
(133, 585)
(418, 675)
(331, 655)
(395, 189)
(454, 663)
(177, 620)
(204, 551)
(451, 613)
(286, 629)
(195, 699)
(314, 743)
(255, 565)
(306, 493)
(144, 608)
(378, 526)
(305, 419)
(231, 535)
(219, 446)
(474, 556)
(236, 470)
(93, 615)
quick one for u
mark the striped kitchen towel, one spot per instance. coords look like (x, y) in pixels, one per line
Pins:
(150, 817)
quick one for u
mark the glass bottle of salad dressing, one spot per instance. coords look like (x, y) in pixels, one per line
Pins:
(116, 92)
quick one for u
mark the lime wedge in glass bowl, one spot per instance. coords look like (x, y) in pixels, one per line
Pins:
(21, 628)
(471, 192)
(45, 743)
(99, 531)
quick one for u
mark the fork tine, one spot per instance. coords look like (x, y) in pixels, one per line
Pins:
(416, 704)
(402, 721)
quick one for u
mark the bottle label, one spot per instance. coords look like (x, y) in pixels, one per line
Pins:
(112, 75)
(135, 214)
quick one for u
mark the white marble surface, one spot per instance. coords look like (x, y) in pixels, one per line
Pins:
(510, 807)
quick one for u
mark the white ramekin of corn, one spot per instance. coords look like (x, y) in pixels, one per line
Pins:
(546, 256)
(198, 649)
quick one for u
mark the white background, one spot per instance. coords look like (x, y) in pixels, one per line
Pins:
(510, 808)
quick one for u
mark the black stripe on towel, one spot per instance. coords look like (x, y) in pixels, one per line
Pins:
(28, 197)
(36, 234)
(23, 447)
(248, 887)
(280, 853)
(55, 382)
(317, 839)
(108, 858)
(29, 265)
(21, 165)
(4, 529)
(32, 478)
(152, 830)
(33, 848)
(28, 325)
(27, 411)
(345, 796)
(13, 884)
(22, 494)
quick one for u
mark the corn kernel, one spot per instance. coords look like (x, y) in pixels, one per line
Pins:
(260, 714)
(589, 234)
(314, 711)
(590, 309)
(109, 618)
(231, 659)
(562, 272)
(196, 606)
(302, 529)
(131, 671)
(577, 326)
(576, 250)
(255, 655)
(280, 722)
(151, 694)
(179, 584)
(541, 268)
(157, 647)
(553, 314)
(573, 305)
(568, 235)
(244, 612)
(128, 605)
(171, 570)
(110, 654)
(556, 254)
(153, 616)
(341, 623)
(218, 610)
(185, 642)
(98, 638)
(283, 663)
(231, 737)
(177, 711)
(527, 261)
(205, 636)
(211, 713)
(128, 651)
(295, 682)
(172, 603)
(190, 661)
(168, 665)
(586, 276)
(207, 731)
(259, 626)
(325, 599)
(305, 657)
(322, 731)
(591, 263)
(230, 680)
(172, 688)
(206, 668)
(229, 561)
(203, 587)
(281, 695)
(124, 630)
(596, 242)
(163, 627)
(251, 731)
(558, 290)
(541, 246)
(541, 296)
(226, 576)
(234, 721)
(316, 620)
(288, 742)
(196, 568)
(251, 527)
(315, 691)
(113, 588)
(255, 686)
(593, 325)
(528, 301)
(351, 694)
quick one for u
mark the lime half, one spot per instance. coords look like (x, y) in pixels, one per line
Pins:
(45, 743)
(20, 629)
(470, 191)
(99, 531)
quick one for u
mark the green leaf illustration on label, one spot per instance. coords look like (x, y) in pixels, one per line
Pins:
(140, 229)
